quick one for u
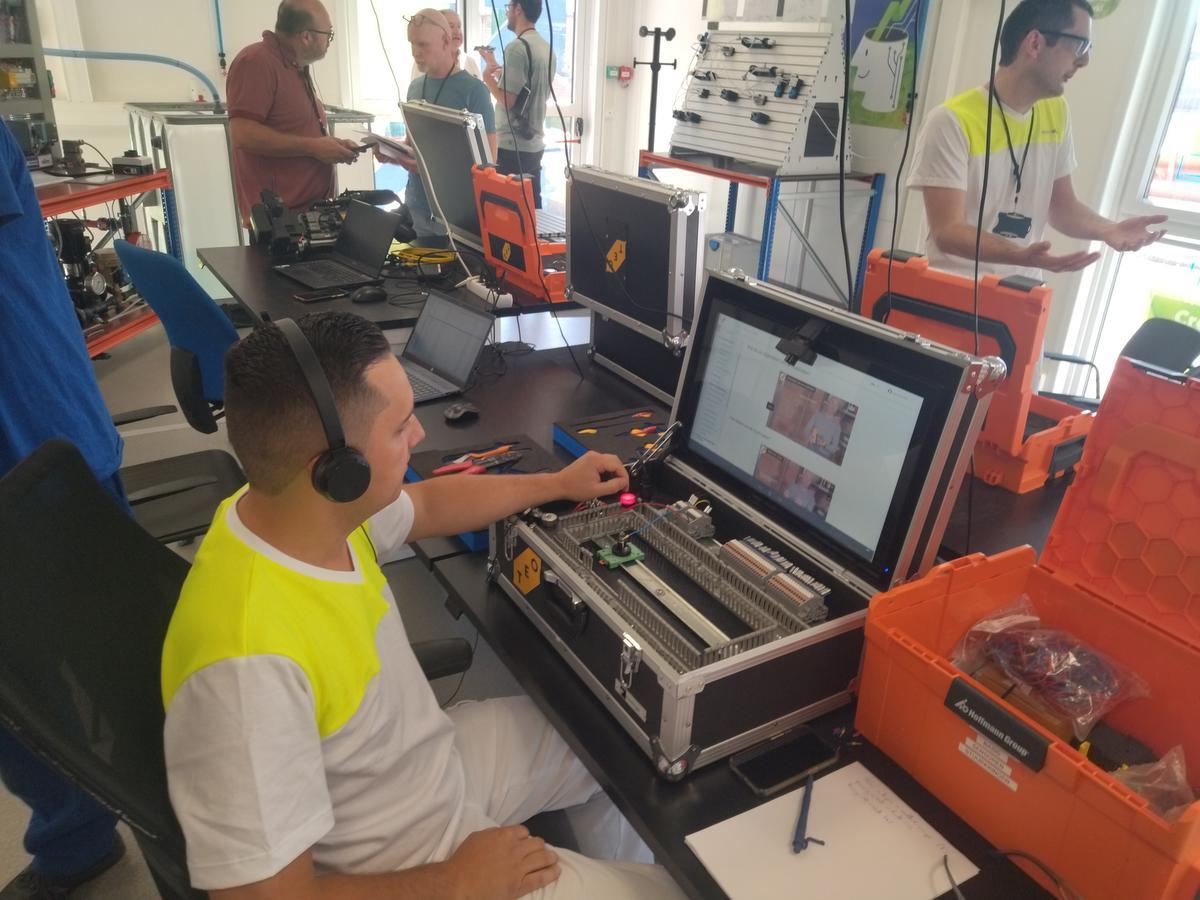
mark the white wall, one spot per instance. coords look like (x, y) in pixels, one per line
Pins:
(91, 93)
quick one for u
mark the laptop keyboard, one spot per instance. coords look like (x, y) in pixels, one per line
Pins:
(425, 386)
(322, 273)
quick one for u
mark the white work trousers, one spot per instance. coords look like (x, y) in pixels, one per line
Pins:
(517, 766)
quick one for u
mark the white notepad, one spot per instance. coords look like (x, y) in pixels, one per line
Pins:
(875, 846)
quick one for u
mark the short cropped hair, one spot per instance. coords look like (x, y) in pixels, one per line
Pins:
(531, 8)
(272, 418)
(291, 18)
(1037, 15)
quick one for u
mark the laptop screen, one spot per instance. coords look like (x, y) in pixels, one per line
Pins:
(365, 237)
(448, 337)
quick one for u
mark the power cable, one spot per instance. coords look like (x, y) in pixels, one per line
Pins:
(383, 47)
(912, 112)
(987, 159)
(850, 293)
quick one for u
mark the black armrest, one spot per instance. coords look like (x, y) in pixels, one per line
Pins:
(440, 658)
(1066, 357)
(137, 415)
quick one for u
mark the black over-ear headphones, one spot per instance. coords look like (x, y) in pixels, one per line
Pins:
(341, 473)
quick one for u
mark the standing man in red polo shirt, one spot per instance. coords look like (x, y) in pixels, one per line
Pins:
(280, 135)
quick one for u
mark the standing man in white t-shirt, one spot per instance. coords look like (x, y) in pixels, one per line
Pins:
(1032, 155)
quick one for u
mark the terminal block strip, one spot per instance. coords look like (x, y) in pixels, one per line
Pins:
(771, 610)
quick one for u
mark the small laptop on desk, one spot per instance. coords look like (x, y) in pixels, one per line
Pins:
(357, 257)
(444, 347)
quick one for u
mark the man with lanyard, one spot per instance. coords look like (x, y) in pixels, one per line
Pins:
(442, 83)
(521, 88)
(49, 391)
(1043, 44)
(280, 134)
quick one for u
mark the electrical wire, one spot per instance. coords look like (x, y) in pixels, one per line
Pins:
(1065, 891)
(958, 895)
(912, 112)
(107, 161)
(850, 292)
(463, 675)
(383, 47)
(987, 159)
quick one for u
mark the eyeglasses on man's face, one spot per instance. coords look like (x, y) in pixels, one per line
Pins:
(328, 34)
(1083, 45)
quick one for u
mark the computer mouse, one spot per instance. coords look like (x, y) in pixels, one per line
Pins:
(456, 412)
(370, 293)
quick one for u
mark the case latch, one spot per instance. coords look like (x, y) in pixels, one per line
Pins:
(984, 376)
(631, 661)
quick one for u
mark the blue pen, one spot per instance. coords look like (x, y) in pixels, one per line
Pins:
(801, 840)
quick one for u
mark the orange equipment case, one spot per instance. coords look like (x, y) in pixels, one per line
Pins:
(1026, 438)
(508, 226)
(1121, 571)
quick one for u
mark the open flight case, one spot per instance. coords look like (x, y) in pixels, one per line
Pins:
(816, 456)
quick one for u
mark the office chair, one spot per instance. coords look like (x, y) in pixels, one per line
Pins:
(82, 640)
(174, 498)
(1159, 342)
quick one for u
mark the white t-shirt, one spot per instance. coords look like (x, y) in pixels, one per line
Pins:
(298, 716)
(950, 154)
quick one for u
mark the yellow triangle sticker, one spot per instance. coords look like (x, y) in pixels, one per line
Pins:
(616, 256)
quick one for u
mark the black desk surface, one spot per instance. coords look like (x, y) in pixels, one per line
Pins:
(542, 387)
(663, 813)
(247, 274)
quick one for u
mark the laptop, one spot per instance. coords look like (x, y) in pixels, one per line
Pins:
(444, 347)
(357, 257)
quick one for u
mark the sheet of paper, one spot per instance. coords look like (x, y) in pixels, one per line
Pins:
(875, 846)
(388, 148)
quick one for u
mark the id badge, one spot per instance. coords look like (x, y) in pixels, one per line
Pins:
(1012, 225)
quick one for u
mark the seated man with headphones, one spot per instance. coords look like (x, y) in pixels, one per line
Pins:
(306, 753)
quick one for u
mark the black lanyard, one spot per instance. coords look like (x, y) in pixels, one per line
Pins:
(453, 69)
(306, 77)
(1018, 170)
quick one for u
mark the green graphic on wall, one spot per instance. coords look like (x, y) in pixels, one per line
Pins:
(883, 36)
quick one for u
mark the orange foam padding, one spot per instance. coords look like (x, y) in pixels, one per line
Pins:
(508, 226)
(1012, 326)
(1121, 572)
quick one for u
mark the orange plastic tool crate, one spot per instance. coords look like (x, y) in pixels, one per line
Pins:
(508, 222)
(1026, 438)
(1121, 571)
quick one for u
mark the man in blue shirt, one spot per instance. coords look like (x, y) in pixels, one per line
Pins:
(49, 390)
(442, 83)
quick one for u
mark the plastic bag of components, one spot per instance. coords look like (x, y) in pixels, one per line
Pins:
(1049, 664)
(1163, 783)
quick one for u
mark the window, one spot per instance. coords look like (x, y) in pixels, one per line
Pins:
(1162, 280)
(563, 14)
(1175, 181)
(382, 68)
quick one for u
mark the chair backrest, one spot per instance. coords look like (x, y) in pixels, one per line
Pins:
(1164, 343)
(85, 600)
(192, 320)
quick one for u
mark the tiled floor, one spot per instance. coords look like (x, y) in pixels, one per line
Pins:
(137, 375)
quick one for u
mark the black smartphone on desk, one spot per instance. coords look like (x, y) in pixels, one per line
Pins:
(782, 761)
(317, 296)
